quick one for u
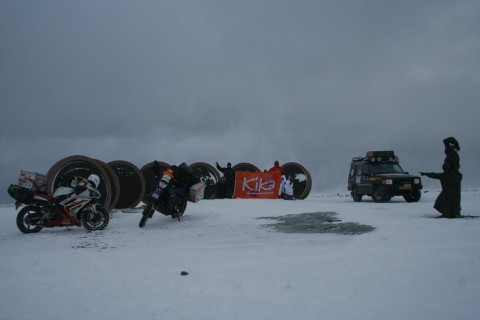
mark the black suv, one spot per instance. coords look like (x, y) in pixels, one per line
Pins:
(380, 176)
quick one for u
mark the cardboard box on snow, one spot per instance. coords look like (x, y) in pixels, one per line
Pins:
(197, 192)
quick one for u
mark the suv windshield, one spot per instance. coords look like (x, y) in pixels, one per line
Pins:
(386, 167)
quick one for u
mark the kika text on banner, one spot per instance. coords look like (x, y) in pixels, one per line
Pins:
(258, 185)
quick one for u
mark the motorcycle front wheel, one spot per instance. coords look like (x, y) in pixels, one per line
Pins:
(146, 214)
(180, 209)
(97, 219)
(28, 219)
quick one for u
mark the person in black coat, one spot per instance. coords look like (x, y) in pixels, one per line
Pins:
(452, 160)
(447, 201)
(222, 190)
(229, 175)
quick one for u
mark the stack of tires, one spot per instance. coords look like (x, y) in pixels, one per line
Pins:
(123, 185)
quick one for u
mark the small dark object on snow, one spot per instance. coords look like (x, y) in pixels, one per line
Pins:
(184, 273)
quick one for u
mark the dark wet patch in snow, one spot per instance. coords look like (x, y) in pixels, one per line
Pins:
(316, 222)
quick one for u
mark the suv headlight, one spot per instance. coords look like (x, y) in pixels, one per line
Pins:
(387, 181)
(416, 181)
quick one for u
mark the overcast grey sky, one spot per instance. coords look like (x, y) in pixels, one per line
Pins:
(315, 82)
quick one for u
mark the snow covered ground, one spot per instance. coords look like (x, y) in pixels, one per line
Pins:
(411, 266)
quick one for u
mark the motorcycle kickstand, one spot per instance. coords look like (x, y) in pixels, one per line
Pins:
(176, 215)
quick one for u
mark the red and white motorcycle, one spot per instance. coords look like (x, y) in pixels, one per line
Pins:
(68, 206)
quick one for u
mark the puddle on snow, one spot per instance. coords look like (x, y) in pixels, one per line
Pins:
(316, 222)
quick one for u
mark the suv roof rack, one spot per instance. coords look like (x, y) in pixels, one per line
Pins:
(378, 156)
(383, 154)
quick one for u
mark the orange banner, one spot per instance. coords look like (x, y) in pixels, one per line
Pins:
(257, 185)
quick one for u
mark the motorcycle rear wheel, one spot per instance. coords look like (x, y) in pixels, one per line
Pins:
(98, 220)
(29, 212)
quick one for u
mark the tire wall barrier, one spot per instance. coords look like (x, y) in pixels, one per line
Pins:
(131, 184)
(62, 173)
(152, 175)
(124, 185)
(208, 175)
(245, 166)
(114, 184)
(302, 180)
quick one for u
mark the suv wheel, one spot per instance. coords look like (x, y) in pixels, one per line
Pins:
(379, 195)
(413, 196)
(357, 197)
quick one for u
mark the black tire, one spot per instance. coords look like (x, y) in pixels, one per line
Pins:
(114, 183)
(95, 220)
(151, 175)
(62, 172)
(380, 195)
(147, 213)
(132, 184)
(413, 196)
(143, 221)
(357, 197)
(245, 166)
(302, 180)
(208, 175)
(29, 212)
